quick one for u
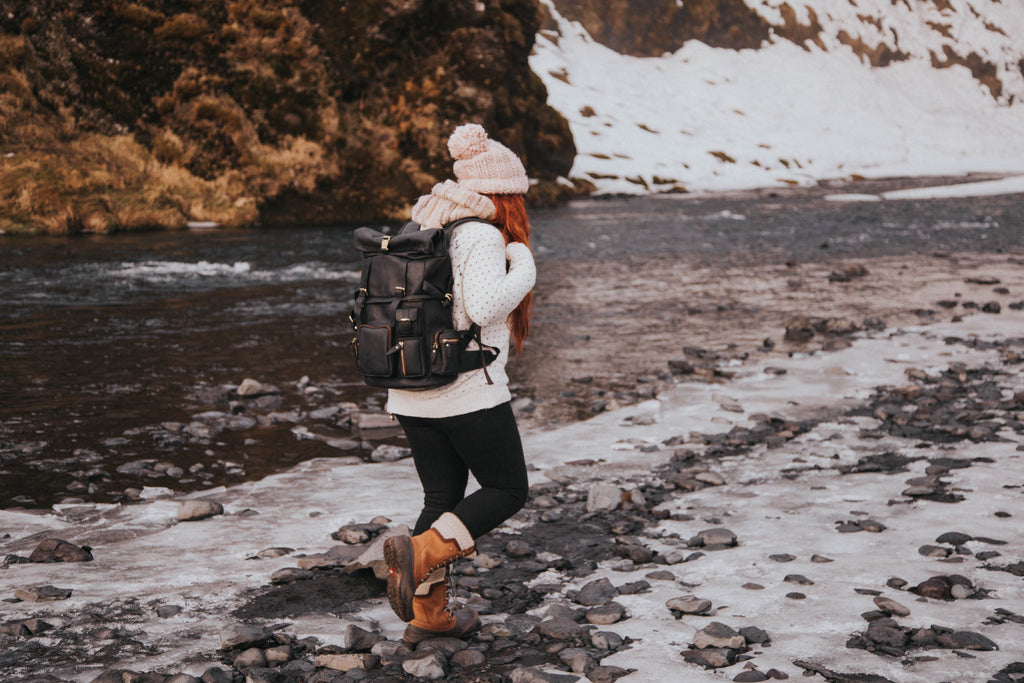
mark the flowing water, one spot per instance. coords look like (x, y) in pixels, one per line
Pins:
(109, 344)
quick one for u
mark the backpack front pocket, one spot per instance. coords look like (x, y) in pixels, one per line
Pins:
(373, 351)
(444, 355)
(410, 352)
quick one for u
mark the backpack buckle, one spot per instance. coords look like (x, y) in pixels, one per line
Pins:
(384, 242)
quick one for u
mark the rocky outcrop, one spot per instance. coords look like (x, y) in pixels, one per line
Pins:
(120, 115)
(975, 34)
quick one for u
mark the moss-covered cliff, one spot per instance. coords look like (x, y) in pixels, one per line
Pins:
(120, 114)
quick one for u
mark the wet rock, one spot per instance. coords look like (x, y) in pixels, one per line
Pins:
(42, 594)
(242, 636)
(598, 592)
(892, 607)
(934, 551)
(751, 675)
(714, 539)
(357, 534)
(518, 549)
(799, 579)
(559, 628)
(688, 605)
(183, 678)
(605, 615)
(361, 640)
(606, 674)
(276, 656)
(577, 659)
(603, 498)
(853, 526)
(251, 388)
(348, 661)
(936, 588)
(886, 632)
(57, 550)
(965, 640)
(718, 635)
(194, 510)
(606, 640)
(386, 453)
(711, 658)
(754, 635)
(538, 675)
(290, 574)
(391, 652)
(466, 659)
(116, 676)
(782, 557)
(430, 665)
(954, 538)
(168, 611)
(247, 659)
(25, 628)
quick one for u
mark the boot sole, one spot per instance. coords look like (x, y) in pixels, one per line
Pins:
(470, 622)
(398, 554)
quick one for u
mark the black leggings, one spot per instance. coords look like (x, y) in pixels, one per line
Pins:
(447, 449)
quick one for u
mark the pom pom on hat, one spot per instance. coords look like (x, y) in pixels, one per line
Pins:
(467, 141)
(484, 165)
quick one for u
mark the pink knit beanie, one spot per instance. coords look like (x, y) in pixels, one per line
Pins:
(484, 165)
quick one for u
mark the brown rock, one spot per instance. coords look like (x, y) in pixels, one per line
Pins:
(57, 550)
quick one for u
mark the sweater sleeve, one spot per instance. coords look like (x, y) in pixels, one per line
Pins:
(492, 286)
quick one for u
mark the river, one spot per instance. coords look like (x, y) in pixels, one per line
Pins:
(110, 344)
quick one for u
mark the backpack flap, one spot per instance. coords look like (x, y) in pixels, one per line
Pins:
(410, 244)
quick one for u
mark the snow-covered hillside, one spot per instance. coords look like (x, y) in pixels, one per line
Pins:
(710, 119)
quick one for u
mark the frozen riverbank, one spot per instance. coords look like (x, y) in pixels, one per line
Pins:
(786, 451)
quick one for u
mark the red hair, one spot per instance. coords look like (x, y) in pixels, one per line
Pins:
(510, 217)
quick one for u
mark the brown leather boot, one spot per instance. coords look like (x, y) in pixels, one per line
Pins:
(434, 619)
(411, 560)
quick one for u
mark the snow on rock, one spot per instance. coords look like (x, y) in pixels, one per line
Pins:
(712, 119)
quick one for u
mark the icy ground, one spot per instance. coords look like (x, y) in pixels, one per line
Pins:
(778, 501)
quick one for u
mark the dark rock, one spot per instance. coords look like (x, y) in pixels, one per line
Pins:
(755, 636)
(559, 628)
(359, 639)
(538, 675)
(965, 640)
(954, 538)
(718, 635)
(42, 594)
(783, 557)
(605, 615)
(713, 658)
(887, 632)
(751, 676)
(606, 640)
(596, 592)
(242, 636)
(57, 550)
(606, 674)
(936, 587)
(466, 659)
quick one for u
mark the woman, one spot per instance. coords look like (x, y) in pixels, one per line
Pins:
(467, 426)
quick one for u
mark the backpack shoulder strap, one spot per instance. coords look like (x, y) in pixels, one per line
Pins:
(470, 219)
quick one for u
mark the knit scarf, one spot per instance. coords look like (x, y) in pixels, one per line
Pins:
(448, 202)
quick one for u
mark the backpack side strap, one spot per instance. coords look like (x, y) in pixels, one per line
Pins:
(475, 359)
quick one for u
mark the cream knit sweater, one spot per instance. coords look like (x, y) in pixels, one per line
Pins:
(490, 281)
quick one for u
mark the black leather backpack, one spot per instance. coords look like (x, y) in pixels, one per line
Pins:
(402, 311)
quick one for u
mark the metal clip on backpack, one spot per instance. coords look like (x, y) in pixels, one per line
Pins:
(402, 312)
